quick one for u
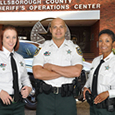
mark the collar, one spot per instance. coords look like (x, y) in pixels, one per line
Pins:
(108, 57)
(6, 52)
(64, 43)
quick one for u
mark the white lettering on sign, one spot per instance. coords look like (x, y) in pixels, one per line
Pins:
(86, 6)
(58, 1)
(6, 8)
(26, 5)
(19, 2)
(49, 7)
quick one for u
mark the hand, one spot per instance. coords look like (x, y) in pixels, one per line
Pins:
(48, 66)
(5, 97)
(25, 91)
(84, 91)
(101, 97)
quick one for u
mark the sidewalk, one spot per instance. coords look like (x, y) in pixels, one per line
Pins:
(82, 108)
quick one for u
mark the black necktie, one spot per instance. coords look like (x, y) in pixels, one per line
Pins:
(95, 78)
(15, 79)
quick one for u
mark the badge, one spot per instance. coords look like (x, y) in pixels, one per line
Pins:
(69, 51)
(79, 51)
(21, 64)
(2, 65)
(107, 67)
(37, 51)
(47, 53)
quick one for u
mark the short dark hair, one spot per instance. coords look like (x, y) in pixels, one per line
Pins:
(109, 32)
(8, 27)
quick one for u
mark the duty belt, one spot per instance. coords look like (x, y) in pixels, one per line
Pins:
(108, 104)
(65, 90)
(56, 90)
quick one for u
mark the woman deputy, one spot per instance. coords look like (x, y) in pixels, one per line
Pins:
(99, 89)
(14, 81)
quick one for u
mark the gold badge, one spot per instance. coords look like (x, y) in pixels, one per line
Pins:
(79, 51)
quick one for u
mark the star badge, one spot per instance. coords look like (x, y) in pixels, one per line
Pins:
(69, 51)
(21, 64)
(107, 67)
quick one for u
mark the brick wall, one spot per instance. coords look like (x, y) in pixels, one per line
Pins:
(107, 17)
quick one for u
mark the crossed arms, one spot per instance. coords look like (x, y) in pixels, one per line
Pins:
(51, 71)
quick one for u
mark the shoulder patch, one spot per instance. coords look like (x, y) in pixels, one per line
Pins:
(78, 49)
(37, 51)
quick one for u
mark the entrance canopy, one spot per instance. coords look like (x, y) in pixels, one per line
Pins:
(30, 18)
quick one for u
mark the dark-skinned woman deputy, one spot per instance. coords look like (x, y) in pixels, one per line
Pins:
(99, 89)
(14, 81)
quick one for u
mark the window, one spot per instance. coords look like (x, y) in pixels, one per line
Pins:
(27, 50)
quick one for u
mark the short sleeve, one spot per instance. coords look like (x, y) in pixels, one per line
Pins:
(38, 57)
(112, 90)
(77, 56)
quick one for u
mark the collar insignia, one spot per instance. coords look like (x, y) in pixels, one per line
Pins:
(47, 53)
(21, 64)
(92, 68)
(107, 67)
(107, 58)
(69, 51)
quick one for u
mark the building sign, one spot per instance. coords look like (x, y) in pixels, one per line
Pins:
(44, 5)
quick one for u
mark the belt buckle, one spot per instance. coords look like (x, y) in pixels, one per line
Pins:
(56, 90)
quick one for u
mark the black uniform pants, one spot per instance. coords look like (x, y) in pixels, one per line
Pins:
(55, 104)
(95, 111)
(12, 109)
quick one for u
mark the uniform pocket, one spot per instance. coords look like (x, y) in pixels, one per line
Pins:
(21, 69)
(66, 60)
(5, 73)
(47, 59)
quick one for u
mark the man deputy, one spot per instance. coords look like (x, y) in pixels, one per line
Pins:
(56, 64)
